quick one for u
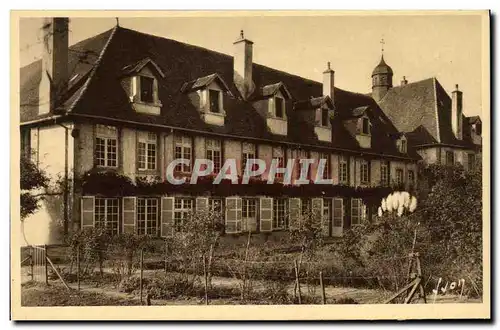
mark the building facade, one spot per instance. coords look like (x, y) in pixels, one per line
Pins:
(128, 104)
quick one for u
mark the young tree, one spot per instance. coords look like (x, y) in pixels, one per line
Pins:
(33, 182)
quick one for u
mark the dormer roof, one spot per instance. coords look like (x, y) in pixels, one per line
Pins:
(138, 66)
(314, 103)
(205, 81)
(271, 90)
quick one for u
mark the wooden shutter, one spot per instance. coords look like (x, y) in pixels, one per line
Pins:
(325, 221)
(294, 210)
(129, 214)
(266, 214)
(201, 204)
(317, 210)
(87, 209)
(167, 216)
(233, 215)
(355, 214)
(338, 212)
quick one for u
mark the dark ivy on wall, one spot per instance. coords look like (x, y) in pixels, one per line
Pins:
(113, 184)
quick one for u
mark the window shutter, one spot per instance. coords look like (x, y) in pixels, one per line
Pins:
(266, 214)
(317, 211)
(155, 91)
(87, 209)
(129, 214)
(294, 213)
(167, 216)
(338, 212)
(201, 204)
(233, 215)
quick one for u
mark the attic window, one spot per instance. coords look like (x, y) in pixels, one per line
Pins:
(325, 117)
(279, 107)
(147, 89)
(215, 99)
(404, 146)
(477, 128)
(365, 126)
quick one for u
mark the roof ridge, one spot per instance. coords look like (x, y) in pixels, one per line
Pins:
(94, 69)
(413, 83)
(217, 52)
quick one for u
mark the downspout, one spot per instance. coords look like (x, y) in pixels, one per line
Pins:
(66, 178)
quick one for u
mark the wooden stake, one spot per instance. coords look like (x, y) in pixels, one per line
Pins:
(31, 264)
(78, 265)
(57, 273)
(140, 278)
(205, 273)
(166, 253)
(46, 265)
(323, 296)
(297, 281)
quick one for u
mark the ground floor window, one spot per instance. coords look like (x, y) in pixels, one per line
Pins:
(249, 213)
(280, 219)
(107, 214)
(215, 205)
(306, 207)
(399, 176)
(327, 208)
(358, 211)
(182, 208)
(147, 216)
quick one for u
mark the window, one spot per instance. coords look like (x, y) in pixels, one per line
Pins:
(147, 94)
(364, 172)
(450, 158)
(183, 150)
(404, 146)
(325, 118)
(215, 100)
(215, 205)
(411, 177)
(327, 209)
(280, 220)
(249, 213)
(248, 152)
(182, 208)
(477, 129)
(147, 216)
(384, 173)
(106, 146)
(343, 170)
(358, 211)
(302, 154)
(399, 176)
(214, 153)
(327, 172)
(279, 107)
(147, 152)
(306, 206)
(106, 214)
(279, 155)
(471, 162)
(365, 126)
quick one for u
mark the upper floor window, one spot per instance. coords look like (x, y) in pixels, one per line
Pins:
(183, 150)
(248, 152)
(214, 153)
(450, 158)
(477, 128)
(279, 155)
(384, 173)
(147, 89)
(302, 154)
(364, 172)
(106, 146)
(343, 170)
(147, 151)
(399, 176)
(327, 172)
(403, 145)
(279, 107)
(215, 100)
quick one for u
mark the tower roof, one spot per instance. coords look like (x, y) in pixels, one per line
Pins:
(382, 68)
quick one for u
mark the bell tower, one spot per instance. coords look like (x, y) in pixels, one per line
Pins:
(381, 77)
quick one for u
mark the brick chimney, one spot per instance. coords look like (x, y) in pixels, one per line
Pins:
(54, 63)
(243, 51)
(329, 82)
(456, 112)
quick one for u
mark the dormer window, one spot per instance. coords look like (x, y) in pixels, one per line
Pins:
(140, 81)
(402, 144)
(147, 89)
(404, 147)
(365, 126)
(325, 117)
(215, 99)
(279, 107)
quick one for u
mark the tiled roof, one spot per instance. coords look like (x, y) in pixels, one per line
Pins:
(422, 108)
(181, 63)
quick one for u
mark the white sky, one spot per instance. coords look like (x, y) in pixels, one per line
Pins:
(418, 47)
